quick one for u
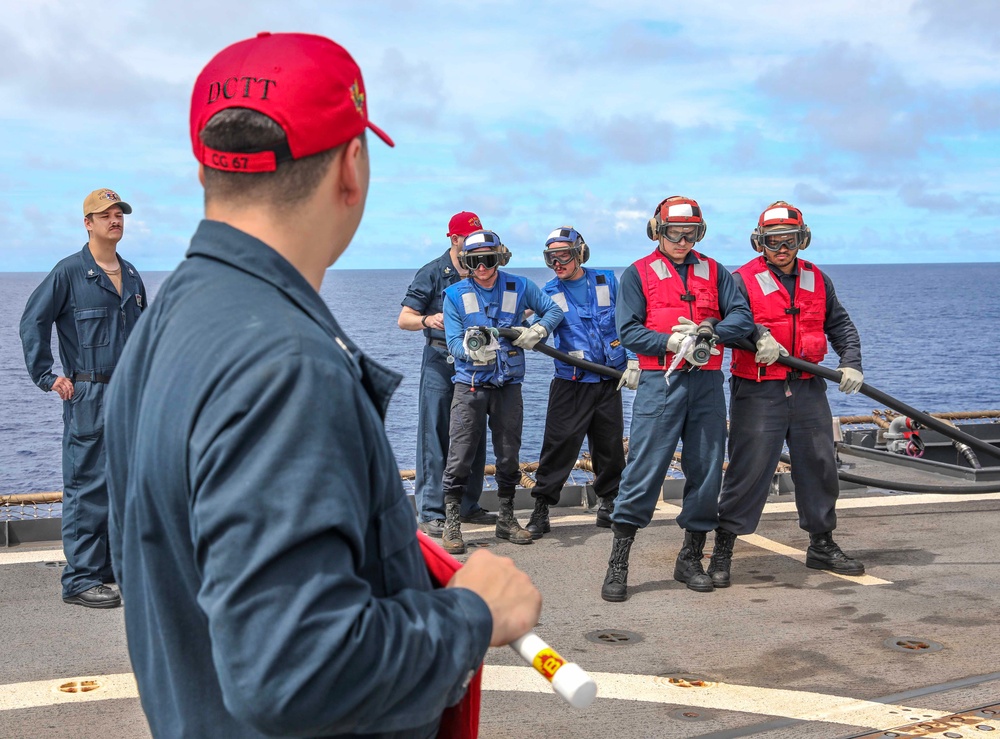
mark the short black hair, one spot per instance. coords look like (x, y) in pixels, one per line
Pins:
(243, 130)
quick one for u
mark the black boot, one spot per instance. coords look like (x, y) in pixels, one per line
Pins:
(452, 540)
(604, 512)
(539, 524)
(722, 556)
(507, 526)
(824, 554)
(689, 569)
(615, 588)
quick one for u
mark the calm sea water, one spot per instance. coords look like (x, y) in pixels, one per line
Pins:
(930, 337)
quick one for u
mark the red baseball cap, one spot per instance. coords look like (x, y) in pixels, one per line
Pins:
(463, 224)
(309, 85)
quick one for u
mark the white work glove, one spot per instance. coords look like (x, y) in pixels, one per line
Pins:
(482, 354)
(686, 326)
(630, 377)
(675, 340)
(850, 380)
(768, 349)
(485, 354)
(529, 336)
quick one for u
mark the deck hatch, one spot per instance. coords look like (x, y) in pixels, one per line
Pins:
(911, 644)
(690, 714)
(613, 637)
(684, 681)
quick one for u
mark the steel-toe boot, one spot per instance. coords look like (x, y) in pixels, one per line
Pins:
(604, 513)
(615, 588)
(507, 526)
(452, 540)
(722, 556)
(824, 554)
(539, 524)
(689, 569)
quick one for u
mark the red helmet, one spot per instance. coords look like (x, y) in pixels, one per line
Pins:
(780, 219)
(676, 211)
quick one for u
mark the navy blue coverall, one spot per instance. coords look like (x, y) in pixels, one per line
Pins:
(692, 409)
(765, 415)
(264, 545)
(424, 295)
(92, 322)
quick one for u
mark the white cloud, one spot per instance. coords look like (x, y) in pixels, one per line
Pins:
(586, 112)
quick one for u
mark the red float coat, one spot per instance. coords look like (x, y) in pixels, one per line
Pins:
(796, 326)
(667, 299)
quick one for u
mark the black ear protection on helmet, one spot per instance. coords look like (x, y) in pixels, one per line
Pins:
(568, 235)
(676, 211)
(781, 217)
(481, 240)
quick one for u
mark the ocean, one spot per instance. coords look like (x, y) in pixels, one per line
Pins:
(929, 338)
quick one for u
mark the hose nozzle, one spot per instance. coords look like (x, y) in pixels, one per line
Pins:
(706, 338)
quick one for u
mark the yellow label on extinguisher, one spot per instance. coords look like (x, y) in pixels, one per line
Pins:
(548, 662)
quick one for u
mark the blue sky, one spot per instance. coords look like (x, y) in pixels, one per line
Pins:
(881, 120)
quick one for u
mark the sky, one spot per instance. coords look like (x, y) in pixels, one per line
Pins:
(880, 120)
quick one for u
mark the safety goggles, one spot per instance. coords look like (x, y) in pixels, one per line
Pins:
(487, 259)
(562, 257)
(692, 234)
(791, 240)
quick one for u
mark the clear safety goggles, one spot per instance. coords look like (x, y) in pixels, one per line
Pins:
(791, 240)
(690, 233)
(562, 257)
(487, 259)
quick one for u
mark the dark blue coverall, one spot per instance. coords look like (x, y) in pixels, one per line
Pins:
(92, 322)
(424, 295)
(692, 409)
(264, 545)
(766, 415)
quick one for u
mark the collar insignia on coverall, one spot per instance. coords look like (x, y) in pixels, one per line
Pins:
(90, 273)
(447, 270)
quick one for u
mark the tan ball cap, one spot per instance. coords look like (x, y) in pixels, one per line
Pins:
(100, 200)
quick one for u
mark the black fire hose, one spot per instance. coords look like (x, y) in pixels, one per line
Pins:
(890, 402)
(509, 333)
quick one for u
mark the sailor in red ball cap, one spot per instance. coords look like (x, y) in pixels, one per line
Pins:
(422, 311)
(260, 532)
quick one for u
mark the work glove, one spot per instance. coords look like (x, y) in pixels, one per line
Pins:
(529, 336)
(484, 354)
(685, 326)
(675, 340)
(768, 349)
(850, 380)
(630, 377)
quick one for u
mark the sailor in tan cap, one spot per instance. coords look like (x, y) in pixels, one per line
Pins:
(94, 298)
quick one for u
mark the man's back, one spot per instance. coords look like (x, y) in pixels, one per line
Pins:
(248, 450)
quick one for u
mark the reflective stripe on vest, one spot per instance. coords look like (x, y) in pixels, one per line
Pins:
(665, 303)
(798, 328)
(587, 331)
(510, 359)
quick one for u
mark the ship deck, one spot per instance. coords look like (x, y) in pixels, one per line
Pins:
(906, 650)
